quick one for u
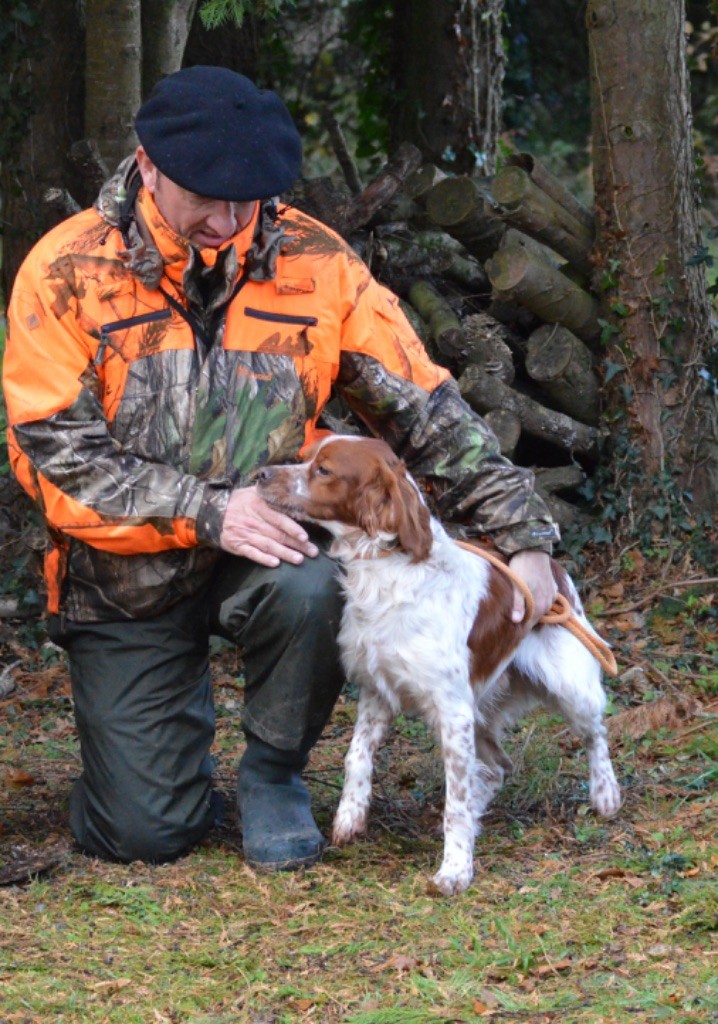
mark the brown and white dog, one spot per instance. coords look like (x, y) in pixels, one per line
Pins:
(427, 627)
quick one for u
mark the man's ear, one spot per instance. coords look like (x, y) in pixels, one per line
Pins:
(148, 171)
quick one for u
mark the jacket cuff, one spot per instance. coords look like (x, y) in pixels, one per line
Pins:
(534, 535)
(210, 516)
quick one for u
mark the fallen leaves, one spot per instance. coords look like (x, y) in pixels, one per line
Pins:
(18, 778)
(664, 713)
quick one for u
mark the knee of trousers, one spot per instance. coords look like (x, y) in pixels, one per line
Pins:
(307, 596)
(121, 828)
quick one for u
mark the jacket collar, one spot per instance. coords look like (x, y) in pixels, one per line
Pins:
(153, 250)
(176, 251)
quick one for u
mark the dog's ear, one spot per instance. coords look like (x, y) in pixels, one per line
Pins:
(390, 503)
(413, 520)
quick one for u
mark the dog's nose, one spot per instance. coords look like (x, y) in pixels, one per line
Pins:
(265, 474)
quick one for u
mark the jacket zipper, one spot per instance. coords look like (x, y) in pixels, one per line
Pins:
(281, 318)
(122, 325)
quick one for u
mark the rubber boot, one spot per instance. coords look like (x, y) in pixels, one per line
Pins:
(278, 830)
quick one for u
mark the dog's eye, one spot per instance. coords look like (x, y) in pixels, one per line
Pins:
(322, 471)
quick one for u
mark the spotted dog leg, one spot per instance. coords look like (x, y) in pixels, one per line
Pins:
(456, 726)
(374, 716)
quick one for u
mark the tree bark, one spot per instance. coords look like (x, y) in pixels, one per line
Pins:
(519, 275)
(49, 79)
(448, 69)
(648, 231)
(165, 30)
(484, 392)
(563, 367)
(113, 77)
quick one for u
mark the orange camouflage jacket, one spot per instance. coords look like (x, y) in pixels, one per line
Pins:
(142, 386)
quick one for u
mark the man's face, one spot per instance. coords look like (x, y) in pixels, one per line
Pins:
(206, 223)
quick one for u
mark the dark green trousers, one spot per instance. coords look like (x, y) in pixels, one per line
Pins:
(143, 699)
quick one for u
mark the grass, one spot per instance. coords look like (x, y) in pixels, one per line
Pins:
(569, 918)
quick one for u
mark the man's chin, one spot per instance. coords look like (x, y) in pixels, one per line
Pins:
(201, 241)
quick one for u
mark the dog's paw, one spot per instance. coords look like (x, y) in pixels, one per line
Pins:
(451, 881)
(605, 795)
(347, 825)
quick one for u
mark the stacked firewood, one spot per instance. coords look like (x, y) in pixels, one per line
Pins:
(494, 276)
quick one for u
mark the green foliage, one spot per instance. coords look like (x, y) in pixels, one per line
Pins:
(215, 13)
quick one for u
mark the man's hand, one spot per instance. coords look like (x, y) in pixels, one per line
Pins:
(256, 531)
(534, 568)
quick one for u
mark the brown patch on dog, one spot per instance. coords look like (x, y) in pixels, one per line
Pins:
(494, 636)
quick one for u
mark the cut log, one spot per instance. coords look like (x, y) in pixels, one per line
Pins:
(549, 184)
(444, 325)
(519, 276)
(434, 252)
(529, 208)
(507, 428)
(562, 512)
(362, 208)
(512, 236)
(486, 326)
(563, 366)
(560, 478)
(85, 155)
(321, 198)
(486, 347)
(420, 183)
(463, 209)
(421, 328)
(485, 392)
(60, 199)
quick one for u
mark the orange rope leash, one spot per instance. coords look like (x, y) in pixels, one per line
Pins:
(560, 613)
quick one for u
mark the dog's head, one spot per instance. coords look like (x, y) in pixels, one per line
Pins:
(353, 486)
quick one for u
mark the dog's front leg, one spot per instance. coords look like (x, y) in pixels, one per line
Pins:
(456, 727)
(374, 717)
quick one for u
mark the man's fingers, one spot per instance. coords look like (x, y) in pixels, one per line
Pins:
(519, 609)
(254, 530)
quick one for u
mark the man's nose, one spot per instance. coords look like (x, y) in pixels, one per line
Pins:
(223, 219)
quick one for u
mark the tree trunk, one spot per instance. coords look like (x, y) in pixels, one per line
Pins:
(448, 70)
(648, 232)
(165, 30)
(47, 84)
(113, 78)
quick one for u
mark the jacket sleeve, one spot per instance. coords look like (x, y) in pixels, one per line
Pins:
(389, 381)
(60, 446)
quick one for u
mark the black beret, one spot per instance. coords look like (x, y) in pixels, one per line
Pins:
(212, 131)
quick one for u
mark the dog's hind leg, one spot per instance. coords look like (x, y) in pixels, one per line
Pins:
(568, 678)
(374, 716)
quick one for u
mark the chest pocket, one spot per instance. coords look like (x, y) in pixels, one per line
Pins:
(278, 333)
(135, 345)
